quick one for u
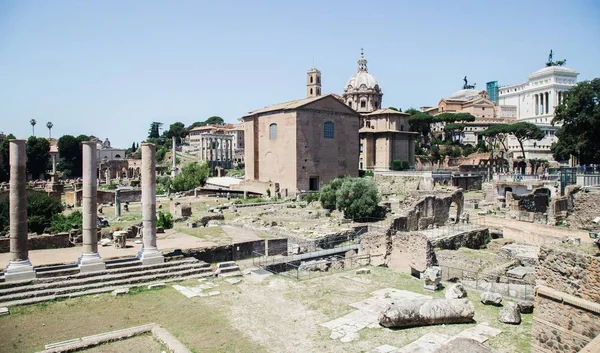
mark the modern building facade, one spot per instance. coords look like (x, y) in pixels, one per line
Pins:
(535, 101)
(301, 145)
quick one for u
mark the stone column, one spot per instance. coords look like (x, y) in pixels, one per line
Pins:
(117, 203)
(149, 253)
(19, 266)
(174, 170)
(53, 163)
(90, 260)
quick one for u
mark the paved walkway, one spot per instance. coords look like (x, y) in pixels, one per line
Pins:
(167, 241)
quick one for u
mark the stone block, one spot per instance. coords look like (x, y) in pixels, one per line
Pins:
(525, 307)
(432, 278)
(510, 314)
(363, 271)
(455, 291)
(491, 298)
(160, 230)
(4, 311)
(120, 291)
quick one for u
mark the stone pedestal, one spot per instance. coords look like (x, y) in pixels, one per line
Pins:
(149, 253)
(90, 259)
(432, 278)
(19, 267)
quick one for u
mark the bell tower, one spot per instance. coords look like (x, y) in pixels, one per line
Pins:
(313, 83)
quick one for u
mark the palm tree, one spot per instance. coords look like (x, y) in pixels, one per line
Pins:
(33, 122)
(49, 125)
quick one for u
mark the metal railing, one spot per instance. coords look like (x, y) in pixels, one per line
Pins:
(487, 282)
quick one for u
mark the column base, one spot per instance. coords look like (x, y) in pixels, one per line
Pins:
(19, 271)
(90, 262)
(150, 256)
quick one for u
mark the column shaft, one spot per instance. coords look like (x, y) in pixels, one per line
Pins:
(90, 260)
(149, 253)
(19, 267)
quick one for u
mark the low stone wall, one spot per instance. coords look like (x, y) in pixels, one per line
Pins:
(405, 252)
(472, 239)
(430, 210)
(38, 242)
(567, 309)
(104, 196)
(234, 252)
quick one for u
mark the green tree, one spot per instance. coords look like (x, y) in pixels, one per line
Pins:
(525, 131)
(32, 122)
(579, 114)
(327, 194)
(420, 122)
(70, 152)
(191, 176)
(454, 130)
(62, 223)
(177, 130)
(154, 132)
(38, 156)
(214, 120)
(164, 220)
(357, 198)
(4, 157)
(40, 210)
(49, 125)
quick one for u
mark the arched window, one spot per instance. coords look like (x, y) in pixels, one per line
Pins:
(273, 131)
(328, 130)
(363, 104)
(311, 79)
(311, 91)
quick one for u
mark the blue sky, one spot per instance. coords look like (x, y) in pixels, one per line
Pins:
(109, 68)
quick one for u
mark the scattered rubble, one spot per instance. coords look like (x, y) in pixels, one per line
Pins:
(491, 298)
(509, 314)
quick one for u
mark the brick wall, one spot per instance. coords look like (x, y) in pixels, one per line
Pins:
(567, 309)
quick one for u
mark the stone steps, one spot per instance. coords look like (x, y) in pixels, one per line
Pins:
(42, 289)
(34, 300)
(228, 269)
(136, 272)
(4, 285)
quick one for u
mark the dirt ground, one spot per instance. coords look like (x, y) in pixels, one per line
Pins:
(276, 314)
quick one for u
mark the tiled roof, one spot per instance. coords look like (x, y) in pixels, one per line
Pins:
(386, 111)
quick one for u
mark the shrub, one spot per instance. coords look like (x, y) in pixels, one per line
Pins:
(357, 198)
(164, 220)
(400, 165)
(62, 223)
(327, 194)
(312, 196)
(191, 176)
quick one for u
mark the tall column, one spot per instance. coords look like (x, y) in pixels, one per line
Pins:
(231, 154)
(174, 169)
(53, 163)
(19, 266)
(542, 103)
(90, 260)
(537, 104)
(149, 253)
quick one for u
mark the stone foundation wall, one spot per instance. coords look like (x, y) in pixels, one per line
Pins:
(104, 196)
(38, 242)
(567, 309)
(238, 251)
(474, 239)
(428, 211)
(404, 252)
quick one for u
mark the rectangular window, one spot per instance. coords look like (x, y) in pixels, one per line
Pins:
(328, 130)
(361, 148)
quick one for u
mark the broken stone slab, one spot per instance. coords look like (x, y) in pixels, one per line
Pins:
(386, 348)
(491, 298)
(463, 345)
(4, 311)
(455, 291)
(421, 312)
(120, 291)
(233, 280)
(525, 307)
(432, 278)
(156, 285)
(213, 293)
(520, 272)
(510, 314)
(363, 271)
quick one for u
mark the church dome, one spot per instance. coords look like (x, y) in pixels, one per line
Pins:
(362, 78)
(465, 94)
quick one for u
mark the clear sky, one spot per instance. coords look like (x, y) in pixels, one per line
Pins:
(109, 68)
